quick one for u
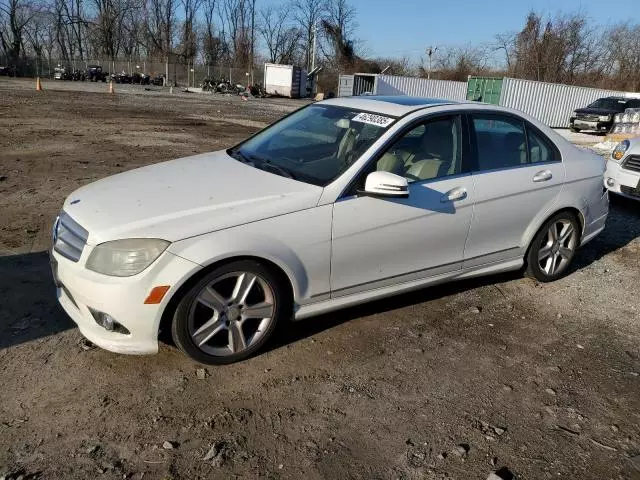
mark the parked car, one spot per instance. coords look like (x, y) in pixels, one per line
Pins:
(623, 169)
(140, 78)
(95, 74)
(121, 77)
(158, 80)
(599, 115)
(78, 75)
(8, 71)
(61, 73)
(342, 202)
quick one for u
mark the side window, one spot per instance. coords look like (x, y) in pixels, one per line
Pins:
(500, 141)
(539, 148)
(430, 150)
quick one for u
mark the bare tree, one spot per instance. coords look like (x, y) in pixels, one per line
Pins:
(623, 42)
(40, 36)
(307, 15)
(339, 27)
(15, 15)
(190, 9)
(108, 30)
(562, 49)
(281, 38)
(160, 25)
(237, 18)
(214, 46)
(457, 63)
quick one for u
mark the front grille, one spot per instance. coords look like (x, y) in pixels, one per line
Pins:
(69, 238)
(632, 163)
(634, 192)
(587, 118)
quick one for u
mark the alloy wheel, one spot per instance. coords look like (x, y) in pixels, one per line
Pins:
(231, 314)
(556, 253)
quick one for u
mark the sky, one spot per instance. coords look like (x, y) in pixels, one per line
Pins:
(392, 28)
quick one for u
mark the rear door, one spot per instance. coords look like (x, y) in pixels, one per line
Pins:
(518, 175)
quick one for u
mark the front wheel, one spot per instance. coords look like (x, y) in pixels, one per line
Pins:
(230, 313)
(574, 129)
(553, 248)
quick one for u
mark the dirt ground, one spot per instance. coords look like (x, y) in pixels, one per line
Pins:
(537, 381)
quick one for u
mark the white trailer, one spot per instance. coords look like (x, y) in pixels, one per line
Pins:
(285, 80)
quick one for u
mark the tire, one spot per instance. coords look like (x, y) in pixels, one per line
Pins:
(574, 129)
(213, 322)
(549, 257)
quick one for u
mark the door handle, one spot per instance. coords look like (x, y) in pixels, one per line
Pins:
(543, 176)
(458, 193)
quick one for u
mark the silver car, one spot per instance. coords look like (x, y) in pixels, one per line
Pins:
(341, 202)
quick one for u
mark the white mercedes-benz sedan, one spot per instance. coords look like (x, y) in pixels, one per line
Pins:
(623, 169)
(341, 202)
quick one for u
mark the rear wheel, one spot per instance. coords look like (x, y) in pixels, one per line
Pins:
(553, 248)
(574, 129)
(230, 313)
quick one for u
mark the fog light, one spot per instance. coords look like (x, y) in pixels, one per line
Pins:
(107, 322)
(610, 182)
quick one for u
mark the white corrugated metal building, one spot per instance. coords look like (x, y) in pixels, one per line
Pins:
(551, 103)
(378, 84)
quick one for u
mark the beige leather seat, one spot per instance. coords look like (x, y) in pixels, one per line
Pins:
(426, 169)
(438, 154)
(390, 162)
(515, 150)
(347, 144)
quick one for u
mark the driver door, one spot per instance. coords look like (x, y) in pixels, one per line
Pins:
(377, 241)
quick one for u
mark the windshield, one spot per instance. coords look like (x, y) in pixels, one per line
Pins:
(315, 144)
(609, 104)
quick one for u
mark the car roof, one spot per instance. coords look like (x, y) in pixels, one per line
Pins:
(392, 105)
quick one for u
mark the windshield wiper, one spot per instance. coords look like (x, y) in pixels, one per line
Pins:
(285, 172)
(262, 163)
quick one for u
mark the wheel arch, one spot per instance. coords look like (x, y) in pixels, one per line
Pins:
(534, 232)
(172, 304)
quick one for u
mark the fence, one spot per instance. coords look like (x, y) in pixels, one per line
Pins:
(179, 73)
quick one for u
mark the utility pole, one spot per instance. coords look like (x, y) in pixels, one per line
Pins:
(430, 52)
(313, 47)
(253, 35)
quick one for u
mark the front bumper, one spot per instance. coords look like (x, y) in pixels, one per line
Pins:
(591, 125)
(79, 290)
(621, 181)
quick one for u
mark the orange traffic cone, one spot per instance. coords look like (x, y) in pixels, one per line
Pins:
(38, 85)
(111, 87)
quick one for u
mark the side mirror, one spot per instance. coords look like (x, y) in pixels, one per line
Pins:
(386, 184)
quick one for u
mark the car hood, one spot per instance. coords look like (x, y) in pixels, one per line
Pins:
(184, 198)
(596, 111)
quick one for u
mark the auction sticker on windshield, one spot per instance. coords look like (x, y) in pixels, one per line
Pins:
(372, 119)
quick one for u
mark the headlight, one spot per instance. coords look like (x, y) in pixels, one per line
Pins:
(124, 258)
(604, 118)
(620, 150)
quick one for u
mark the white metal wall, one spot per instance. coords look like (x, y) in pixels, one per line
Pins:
(345, 86)
(420, 87)
(551, 103)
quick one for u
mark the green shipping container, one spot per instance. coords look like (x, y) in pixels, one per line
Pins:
(484, 89)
